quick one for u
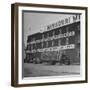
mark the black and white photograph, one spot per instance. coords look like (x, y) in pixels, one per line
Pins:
(49, 44)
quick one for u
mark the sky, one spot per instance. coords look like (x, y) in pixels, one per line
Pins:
(35, 22)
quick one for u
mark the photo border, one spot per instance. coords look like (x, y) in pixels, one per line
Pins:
(15, 48)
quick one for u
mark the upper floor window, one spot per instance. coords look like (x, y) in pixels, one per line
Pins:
(56, 31)
(50, 33)
(78, 27)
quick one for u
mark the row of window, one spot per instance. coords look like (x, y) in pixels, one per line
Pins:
(61, 30)
(51, 43)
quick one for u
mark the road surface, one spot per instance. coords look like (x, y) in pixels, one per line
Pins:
(36, 70)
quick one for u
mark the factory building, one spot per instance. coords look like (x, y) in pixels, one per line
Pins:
(60, 43)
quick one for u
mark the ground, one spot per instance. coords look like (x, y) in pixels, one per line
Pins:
(36, 70)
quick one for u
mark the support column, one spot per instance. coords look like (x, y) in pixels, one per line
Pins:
(47, 41)
(67, 39)
(53, 39)
(42, 40)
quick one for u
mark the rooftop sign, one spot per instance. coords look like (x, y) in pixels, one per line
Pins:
(66, 21)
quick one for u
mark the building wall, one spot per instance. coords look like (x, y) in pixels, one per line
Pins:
(51, 45)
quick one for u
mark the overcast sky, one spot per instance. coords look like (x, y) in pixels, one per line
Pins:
(34, 22)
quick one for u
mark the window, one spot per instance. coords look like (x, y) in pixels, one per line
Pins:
(72, 40)
(50, 33)
(56, 42)
(49, 43)
(44, 44)
(45, 35)
(63, 41)
(78, 27)
(56, 31)
(34, 46)
(39, 45)
(63, 30)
